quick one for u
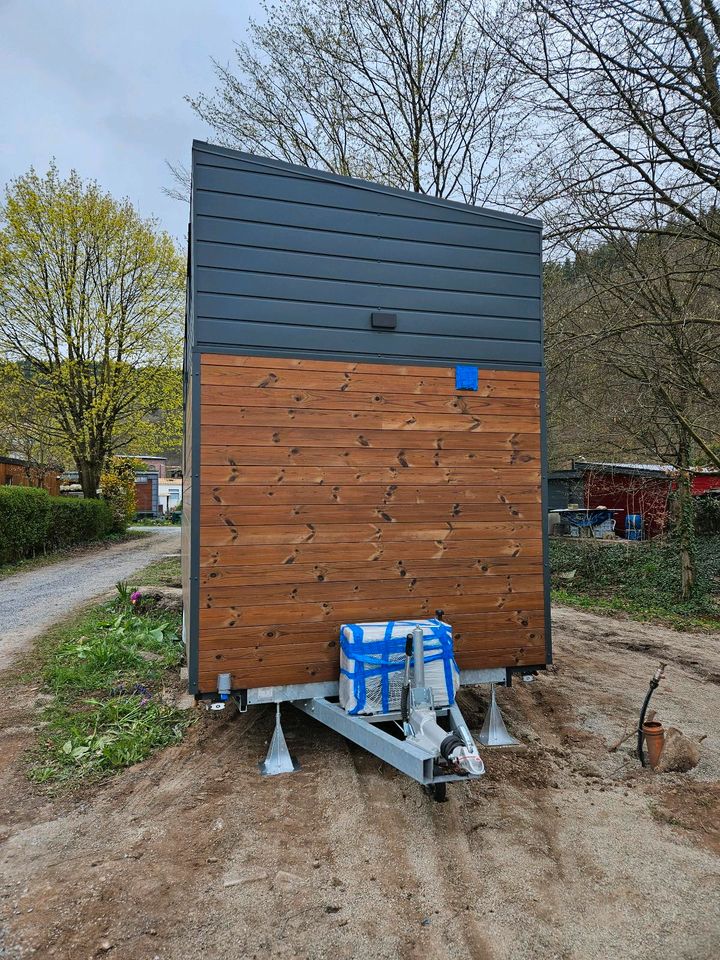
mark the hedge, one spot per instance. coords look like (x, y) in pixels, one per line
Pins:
(32, 521)
(24, 519)
(75, 521)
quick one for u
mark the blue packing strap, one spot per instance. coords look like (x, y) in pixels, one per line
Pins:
(359, 690)
(372, 658)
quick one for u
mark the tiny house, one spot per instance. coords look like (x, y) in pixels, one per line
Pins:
(365, 425)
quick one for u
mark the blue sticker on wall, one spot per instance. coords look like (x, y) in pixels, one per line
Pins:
(466, 378)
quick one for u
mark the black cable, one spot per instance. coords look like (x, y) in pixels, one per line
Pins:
(654, 683)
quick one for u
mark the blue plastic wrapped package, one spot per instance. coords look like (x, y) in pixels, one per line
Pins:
(372, 662)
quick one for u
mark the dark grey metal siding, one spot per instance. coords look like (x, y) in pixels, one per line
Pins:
(564, 488)
(289, 258)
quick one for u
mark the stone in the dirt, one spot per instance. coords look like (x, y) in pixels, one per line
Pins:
(250, 875)
(149, 655)
(186, 701)
(679, 754)
(288, 881)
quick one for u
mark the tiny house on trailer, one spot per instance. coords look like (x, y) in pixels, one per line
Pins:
(364, 442)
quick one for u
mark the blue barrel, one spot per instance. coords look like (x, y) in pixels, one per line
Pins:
(634, 526)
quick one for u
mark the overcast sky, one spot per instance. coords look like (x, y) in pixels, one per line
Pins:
(99, 85)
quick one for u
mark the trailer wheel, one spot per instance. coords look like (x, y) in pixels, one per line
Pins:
(438, 791)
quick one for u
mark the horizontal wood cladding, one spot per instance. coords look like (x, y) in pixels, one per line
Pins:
(333, 491)
(376, 494)
(386, 475)
(387, 608)
(347, 419)
(504, 626)
(290, 400)
(271, 367)
(388, 384)
(216, 596)
(326, 533)
(339, 572)
(275, 513)
(239, 554)
(344, 457)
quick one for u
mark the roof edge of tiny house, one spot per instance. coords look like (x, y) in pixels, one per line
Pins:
(313, 173)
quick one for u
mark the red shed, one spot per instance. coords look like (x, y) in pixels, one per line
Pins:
(642, 488)
(707, 481)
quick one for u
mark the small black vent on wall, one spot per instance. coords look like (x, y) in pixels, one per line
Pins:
(383, 321)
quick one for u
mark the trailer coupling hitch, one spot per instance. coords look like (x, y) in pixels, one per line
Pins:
(462, 758)
(420, 720)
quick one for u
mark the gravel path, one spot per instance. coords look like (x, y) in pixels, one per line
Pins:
(32, 601)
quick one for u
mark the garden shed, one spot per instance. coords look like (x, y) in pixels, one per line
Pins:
(364, 403)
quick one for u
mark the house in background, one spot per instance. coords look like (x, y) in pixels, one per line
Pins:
(16, 472)
(147, 493)
(565, 487)
(156, 464)
(169, 486)
(169, 494)
(146, 490)
(627, 488)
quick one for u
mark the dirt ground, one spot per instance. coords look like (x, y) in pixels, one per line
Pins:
(563, 850)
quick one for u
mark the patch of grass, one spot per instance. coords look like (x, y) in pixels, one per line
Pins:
(111, 646)
(640, 580)
(163, 573)
(97, 737)
(646, 614)
(107, 669)
(56, 556)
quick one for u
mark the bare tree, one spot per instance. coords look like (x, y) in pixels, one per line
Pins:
(632, 321)
(409, 93)
(629, 92)
(626, 178)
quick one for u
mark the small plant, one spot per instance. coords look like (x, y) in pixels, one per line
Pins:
(105, 735)
(112, 649)
(124, 591)
(642, 580)
(707, 516)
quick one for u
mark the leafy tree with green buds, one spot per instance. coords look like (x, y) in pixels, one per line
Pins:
(91, 301)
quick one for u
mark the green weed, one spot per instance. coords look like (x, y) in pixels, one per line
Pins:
(108, 648)
(106, 669)
(101, 736)
(642, 580)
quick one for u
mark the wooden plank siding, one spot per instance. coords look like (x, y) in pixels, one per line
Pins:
(333, 491)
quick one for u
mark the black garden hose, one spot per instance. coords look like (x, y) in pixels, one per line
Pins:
(657, 677)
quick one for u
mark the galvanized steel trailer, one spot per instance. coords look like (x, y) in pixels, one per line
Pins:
(365, 426)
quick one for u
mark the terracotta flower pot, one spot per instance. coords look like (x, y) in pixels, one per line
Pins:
(654, 740)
